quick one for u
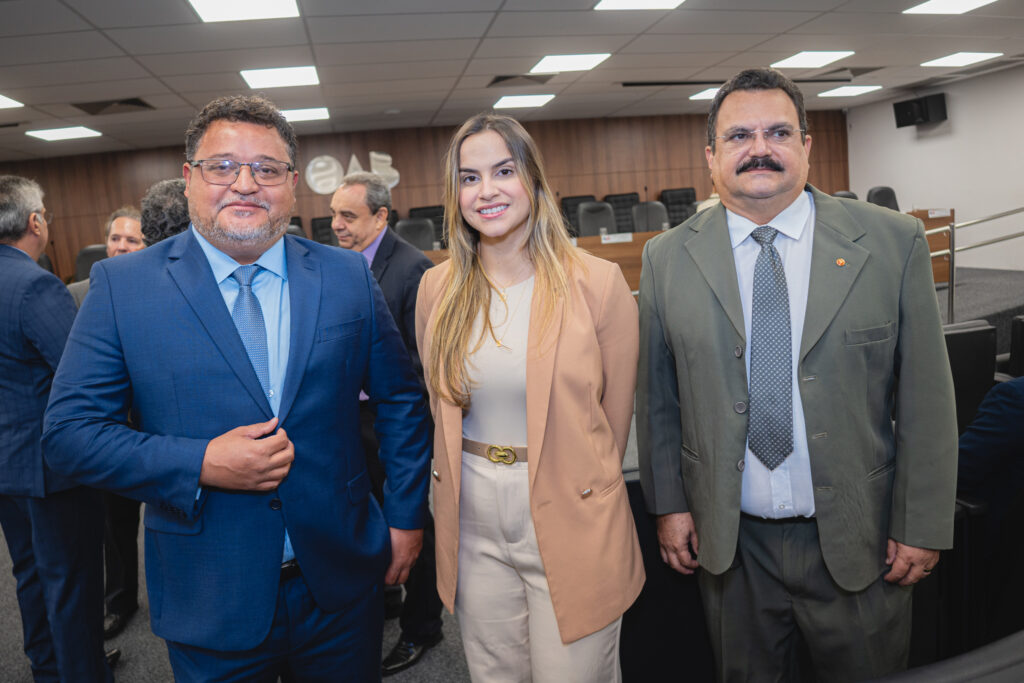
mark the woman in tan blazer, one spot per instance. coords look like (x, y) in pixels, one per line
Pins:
(529, 348)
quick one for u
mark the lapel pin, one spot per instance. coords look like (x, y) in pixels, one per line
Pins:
(840, 262)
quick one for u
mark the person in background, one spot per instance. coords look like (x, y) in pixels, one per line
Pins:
(164, 210)
(529, 348)
(123, 236)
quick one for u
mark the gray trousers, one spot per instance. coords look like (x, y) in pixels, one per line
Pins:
(778, 597)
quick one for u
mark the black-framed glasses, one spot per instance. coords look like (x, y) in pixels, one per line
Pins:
(741, 138)
(46, 216)
(225, 171)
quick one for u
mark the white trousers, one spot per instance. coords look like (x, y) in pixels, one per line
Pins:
(502, 601)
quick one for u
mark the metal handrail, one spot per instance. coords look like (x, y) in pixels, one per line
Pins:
(953, 249)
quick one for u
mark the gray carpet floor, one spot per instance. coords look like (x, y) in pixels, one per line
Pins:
(987, 294)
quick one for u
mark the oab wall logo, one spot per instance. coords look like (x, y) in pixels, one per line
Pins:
(324, 173)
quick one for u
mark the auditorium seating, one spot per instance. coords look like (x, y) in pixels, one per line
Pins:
(681, 203)
(845, 193)
(593, 216)
(650, 217)
(623, 205)
(1012, 363)
(972, 358)
(420, 232)
(570, 208)
(999, 662)
(883, 196)
(89, 255)
(436, 216)
(322, 232)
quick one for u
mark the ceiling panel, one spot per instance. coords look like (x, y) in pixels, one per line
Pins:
(719, 21)
(56, 47)
(27, 17)
(231, 35)
(511, 24)
(205, 61)
(392, 51)
(82, 71)
(123, 13)
(360, 29)
(322, 8)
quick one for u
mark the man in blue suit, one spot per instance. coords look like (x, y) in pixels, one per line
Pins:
(53, 528)
(241, 367)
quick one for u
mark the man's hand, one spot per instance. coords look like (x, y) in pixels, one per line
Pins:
(405, 548)
(242, 460)
(909, 564)
(677, 535)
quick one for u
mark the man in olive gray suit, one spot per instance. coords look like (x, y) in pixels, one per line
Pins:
(795, 410)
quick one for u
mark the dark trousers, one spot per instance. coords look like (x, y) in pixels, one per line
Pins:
(59, 569)
(121, 553)
(305, 645)
(421, 611)
(779, 600)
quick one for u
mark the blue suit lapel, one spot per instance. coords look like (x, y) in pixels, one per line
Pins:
(304, 285)
(188, 267)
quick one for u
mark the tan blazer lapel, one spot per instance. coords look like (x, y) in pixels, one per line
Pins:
(540, 366)
(836, 261)
(712, 252)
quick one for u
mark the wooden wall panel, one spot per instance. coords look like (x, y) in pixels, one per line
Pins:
(582, 156)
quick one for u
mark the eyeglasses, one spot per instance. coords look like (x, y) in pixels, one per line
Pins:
(740, 138)
(47, 216)
(225, 171)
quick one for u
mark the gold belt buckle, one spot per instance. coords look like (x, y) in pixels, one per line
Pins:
(503, 454)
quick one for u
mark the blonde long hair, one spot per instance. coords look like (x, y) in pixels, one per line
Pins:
(467, 293)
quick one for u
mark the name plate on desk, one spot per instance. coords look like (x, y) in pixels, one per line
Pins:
(939, 213)
(617, 238)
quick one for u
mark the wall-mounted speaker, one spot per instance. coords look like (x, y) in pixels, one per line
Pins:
(930, 109)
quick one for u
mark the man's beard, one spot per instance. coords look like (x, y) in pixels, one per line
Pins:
(255, 234)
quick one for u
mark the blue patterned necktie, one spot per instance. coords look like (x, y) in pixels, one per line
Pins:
(248, 317)
(770, 427)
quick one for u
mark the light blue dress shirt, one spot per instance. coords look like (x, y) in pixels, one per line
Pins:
(271, 288)
(786, 491)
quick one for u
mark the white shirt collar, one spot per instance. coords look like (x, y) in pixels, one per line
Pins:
(790, 222)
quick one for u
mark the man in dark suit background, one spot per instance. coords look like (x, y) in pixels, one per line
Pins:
(241, 368)
(123, 235)
(360, 209)
(53, 528)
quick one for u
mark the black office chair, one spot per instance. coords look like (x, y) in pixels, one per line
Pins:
(570, 209)
(972, 359)
(436, 216)
(392, 218)
(417, 231)
(45, 263)
(883, 196)
(1012, 363)
(650, 217)
(322, 232)
(998, 662)
(89, 255)
(681, 203)
(845, 193)
(296, 230)
(623, 205)
(592, 216)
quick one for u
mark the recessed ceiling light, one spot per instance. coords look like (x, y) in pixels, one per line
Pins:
(553, 64)
(638, 4)
(8, 103)
(311, 114)
(522, 101)
(71, 133)
(708, 94)
(963, 58)
(947, 6)
(849, 90)
(281, 78)
(244, 10)
(810, 59)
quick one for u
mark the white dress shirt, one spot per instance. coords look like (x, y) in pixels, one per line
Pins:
(787, 490)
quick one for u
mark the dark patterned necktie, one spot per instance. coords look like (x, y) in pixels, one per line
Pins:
(770, 426)
(248, 317)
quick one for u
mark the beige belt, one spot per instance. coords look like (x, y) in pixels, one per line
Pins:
(506, 455)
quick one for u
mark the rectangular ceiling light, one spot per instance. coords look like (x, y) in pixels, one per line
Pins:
(522, 101)
(638, 4)
(947, 6)
(553, 64)
(71, 133)
(708, 94)
(8, 103)
(963, 58)
(244, 10)
(281, 78)
(849, 90)
(311, 114)
(810, 59)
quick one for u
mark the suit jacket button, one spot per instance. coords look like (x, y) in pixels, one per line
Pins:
(740, 407)
(741, 465)
(436, 475)
(738, 352)
(275, 504)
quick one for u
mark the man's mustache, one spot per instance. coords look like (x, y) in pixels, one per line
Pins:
(249, 200)
(758, 163)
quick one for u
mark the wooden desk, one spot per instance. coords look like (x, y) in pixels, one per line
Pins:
(627, 253)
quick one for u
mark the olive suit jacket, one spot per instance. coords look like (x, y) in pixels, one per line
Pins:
(873, 377)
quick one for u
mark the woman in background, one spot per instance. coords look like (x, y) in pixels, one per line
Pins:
(529, 348)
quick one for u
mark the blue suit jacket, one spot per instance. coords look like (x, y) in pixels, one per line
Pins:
(36, 313)
(155, 338)
(991, 463)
